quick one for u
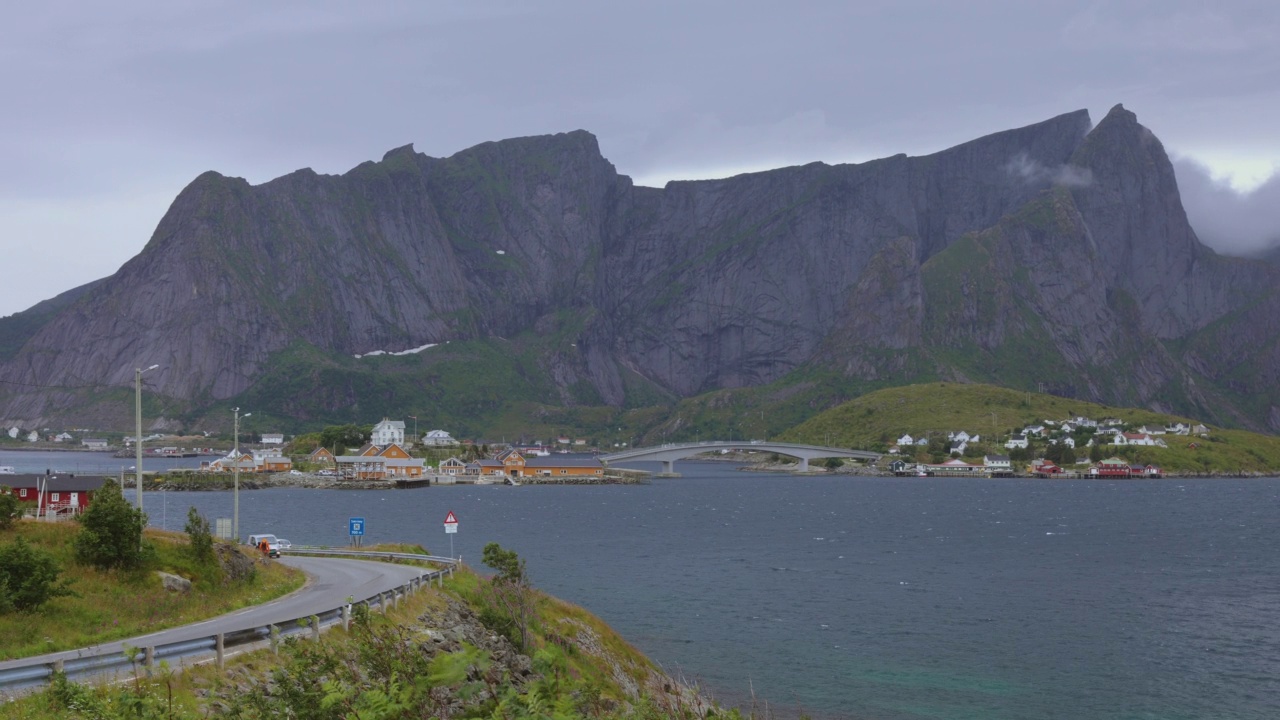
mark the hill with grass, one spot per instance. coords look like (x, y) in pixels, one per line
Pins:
(107, 605)
(876, 420)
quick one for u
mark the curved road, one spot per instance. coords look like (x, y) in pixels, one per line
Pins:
(330, 581)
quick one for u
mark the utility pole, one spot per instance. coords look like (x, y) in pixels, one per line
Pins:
(235, 493)
(137, 440)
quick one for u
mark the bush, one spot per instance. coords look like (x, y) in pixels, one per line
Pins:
(198, 531)
(111, 531)
(10, 507)
(28, 577)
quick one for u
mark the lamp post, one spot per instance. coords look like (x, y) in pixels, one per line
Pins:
(415, 429)
(235, 492)
(137, 439)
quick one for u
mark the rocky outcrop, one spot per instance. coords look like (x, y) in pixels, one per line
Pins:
(1059, 238)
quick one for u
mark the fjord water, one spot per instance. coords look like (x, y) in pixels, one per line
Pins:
(888, 598)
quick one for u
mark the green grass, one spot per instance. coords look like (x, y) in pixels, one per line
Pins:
(876, 420)
(113, 604)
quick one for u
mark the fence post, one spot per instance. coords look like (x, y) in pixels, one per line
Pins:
(382, 602)
(346, 617)
(149, 658)
(274, 632)
(219, 643)
(315, 627)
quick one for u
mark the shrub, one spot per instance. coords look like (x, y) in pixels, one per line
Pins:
(111, 531)
(10, 507)
(28, 577)
(197, 530)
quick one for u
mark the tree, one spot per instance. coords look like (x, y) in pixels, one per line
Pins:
(340, 437)
(1095, 453)
(197, 529)
(28, 577)
(509, 591)
(110, 531)
(10, 507)
(833, 463)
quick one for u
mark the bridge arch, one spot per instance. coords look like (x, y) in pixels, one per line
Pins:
(668, 453)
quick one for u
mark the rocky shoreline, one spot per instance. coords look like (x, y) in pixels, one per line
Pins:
(225, 481)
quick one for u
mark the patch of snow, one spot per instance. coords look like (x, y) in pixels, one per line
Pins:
(502, 252)
(410, 351)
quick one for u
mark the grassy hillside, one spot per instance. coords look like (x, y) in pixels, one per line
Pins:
(110, 605)
(877, 419)
(442, 653)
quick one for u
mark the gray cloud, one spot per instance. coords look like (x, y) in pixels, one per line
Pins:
(1031, 171)
(1230, 222)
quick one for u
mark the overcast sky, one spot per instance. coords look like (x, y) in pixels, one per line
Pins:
(111, 108)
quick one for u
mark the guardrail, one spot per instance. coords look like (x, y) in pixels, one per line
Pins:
(101, 661)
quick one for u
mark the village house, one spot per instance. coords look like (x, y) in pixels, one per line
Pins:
(955, 467)
(438, 438)
(388, 432)
(1110, 468)
(902, 467)
(452, 466)
(1158, 430)
(273, 439)
(1178, 429)
(906, 440)
(1017, 441)
(374, 462)
(62, 437)
(322, 456)
(997, 465)
(1200, 430)
(1128, 438)
(54, 495)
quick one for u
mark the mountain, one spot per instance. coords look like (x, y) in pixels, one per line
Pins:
(1056, 255)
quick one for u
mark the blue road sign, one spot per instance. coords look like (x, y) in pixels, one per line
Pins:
(355, 526)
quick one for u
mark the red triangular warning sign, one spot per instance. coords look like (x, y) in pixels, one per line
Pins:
(450, 519)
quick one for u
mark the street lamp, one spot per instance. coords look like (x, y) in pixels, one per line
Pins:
(137, 439)
(235, 460)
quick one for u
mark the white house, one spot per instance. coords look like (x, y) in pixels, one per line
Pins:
(438, 438)
(388, 432)
(1178, 429)
(13, 432)
(997, 463)
(1083, 421)
(1066, 440)
(959, 447)
(62, 437)
(961, 436)
(922, 441)
(33, 436)
(906, 440)
(1199, 430)
(1017, 441)
(272, 439)
(94, 443)
(1157, 430)
(1136, 439)
(1033, 430)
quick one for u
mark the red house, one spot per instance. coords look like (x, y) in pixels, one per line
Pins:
(53, 494)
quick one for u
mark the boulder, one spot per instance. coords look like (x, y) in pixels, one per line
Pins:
(174, 583)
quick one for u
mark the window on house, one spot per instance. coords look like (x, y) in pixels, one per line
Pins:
(564, 472)
(54, 497)
(22, 492)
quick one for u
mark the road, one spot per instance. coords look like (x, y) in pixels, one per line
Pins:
(330, 581)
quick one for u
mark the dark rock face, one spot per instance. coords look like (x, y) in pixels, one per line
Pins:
(1057, 237)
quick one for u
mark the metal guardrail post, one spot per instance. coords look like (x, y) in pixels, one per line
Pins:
(315, 627)
(220, 646)
(346, 617)
(58, 666)
(149, 659)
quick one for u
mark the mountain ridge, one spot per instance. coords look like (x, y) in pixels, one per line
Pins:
(1075, 236)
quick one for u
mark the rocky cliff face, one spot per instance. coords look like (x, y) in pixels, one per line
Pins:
(1054, 251)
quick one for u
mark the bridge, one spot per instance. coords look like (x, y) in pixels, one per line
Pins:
(668, 454)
